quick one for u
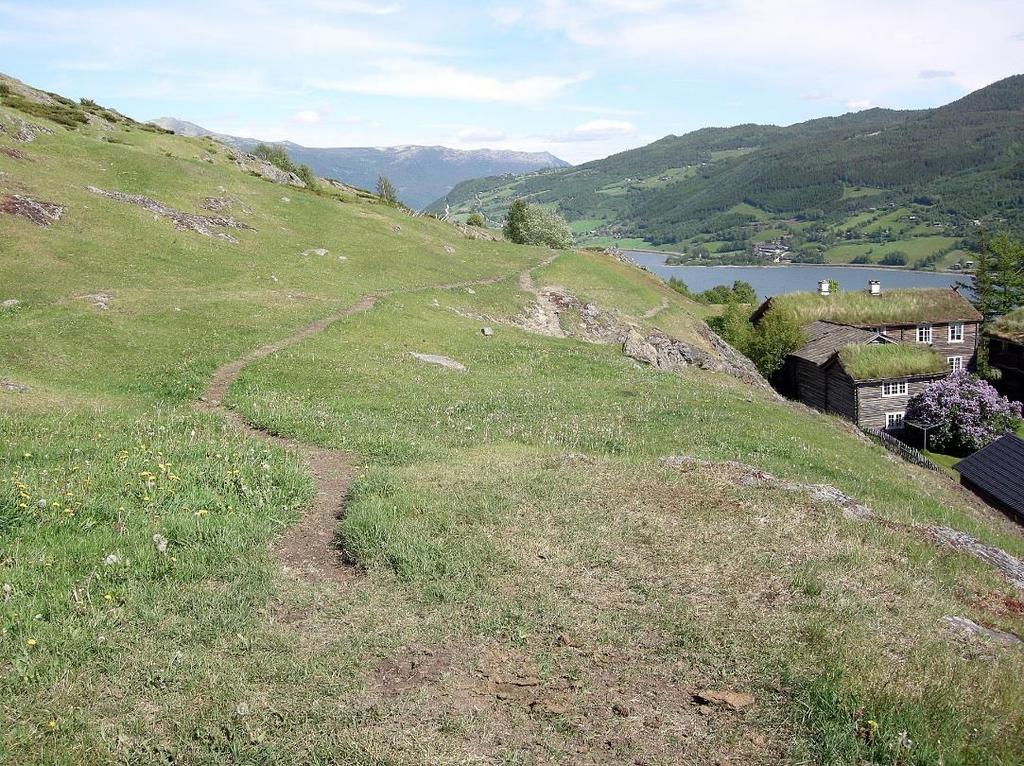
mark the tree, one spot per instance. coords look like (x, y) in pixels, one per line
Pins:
(515, 228)
(775, 336)
(535, 225)
(275, 155)
(744, 292)
(734, 327)
(964, 413)
(998, 280)
(475, 219)
(387, 191)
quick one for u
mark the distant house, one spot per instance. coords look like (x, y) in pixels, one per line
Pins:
(1006, 352)
(869, 352)
(996, 474)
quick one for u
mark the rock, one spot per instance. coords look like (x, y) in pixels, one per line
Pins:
(477, 232)
(99, 300)
(622, 710)
(316, 251)
(10, 303)
(250, 163)
(207, 158)
(487, 332)
(442, 361)
(969, 629)
(38, 212)
(395, 229)
(202, 224)
(286, 199)
(471, 291)
(12, 388)
(449, 249)
(342, 258)
(722, 698)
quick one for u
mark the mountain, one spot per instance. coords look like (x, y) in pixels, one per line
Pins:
(720, 188)
(420, 173)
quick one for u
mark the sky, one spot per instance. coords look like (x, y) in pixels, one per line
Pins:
(581, 79)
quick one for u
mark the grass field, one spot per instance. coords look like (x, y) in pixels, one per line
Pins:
(528, 581)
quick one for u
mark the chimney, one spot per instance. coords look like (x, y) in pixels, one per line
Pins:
(823, 287)
(874, 287)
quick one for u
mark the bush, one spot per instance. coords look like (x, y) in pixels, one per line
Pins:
(308, 177)
(62, 114)
(734, 327)
(895, 258)
(777, 335)
(965, 413)
(862, 259)
(534, 225)
(387, 191)
(475, 219)
(276, 156)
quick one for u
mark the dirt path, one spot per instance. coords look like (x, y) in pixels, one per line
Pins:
(308, 549)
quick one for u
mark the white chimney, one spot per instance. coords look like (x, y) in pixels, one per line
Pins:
(874, 287)
(823, 287)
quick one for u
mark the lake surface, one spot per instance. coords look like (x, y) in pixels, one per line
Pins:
(773, 280)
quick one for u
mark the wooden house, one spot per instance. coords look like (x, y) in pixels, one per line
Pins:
(859, 374)
(939, 319)
(996, 474)
(1006, 353)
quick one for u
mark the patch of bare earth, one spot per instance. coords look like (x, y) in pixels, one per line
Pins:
(38, 212)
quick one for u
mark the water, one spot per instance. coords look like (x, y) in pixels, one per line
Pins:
(773, 280)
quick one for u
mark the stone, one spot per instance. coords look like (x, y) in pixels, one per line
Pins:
(38, 212)
(723, 698)
(970, 629)
(449, 249)
(487, 332)
(12, 388)
(201, 224)
(10, 303)
(316, 251)
(441, 361)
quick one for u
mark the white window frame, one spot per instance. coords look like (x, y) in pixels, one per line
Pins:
(956, 363)
(882, 330)
(958, 336)
(924, 333)
(898, 388)
(898, 417)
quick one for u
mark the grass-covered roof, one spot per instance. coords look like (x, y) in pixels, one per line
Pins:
(883, 361)
(892, 307)
(1010, 327)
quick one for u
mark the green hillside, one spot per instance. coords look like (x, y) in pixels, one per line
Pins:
(865, 181)
(240, 522)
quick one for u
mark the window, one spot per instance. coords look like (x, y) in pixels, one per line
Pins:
(924, 333)
(883, 330)
(893, 420)
(894, 389)
(955, 362)
(956, 332)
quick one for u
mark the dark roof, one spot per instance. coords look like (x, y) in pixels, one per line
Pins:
(998, 472)
(826, 338)
(1009, 327)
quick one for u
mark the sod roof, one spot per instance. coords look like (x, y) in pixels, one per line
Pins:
(892, 307)
(885, 361)
(1010, 327)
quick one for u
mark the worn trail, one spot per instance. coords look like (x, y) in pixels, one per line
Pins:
(308, 548)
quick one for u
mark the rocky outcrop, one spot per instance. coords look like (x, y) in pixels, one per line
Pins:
(38, 212)
(250, 163)
(673, 355)
(477, 232)
(968, 629)
(441, 361)
(202, 224)
(21, 131)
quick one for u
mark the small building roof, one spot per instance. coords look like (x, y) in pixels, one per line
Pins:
(997, 471)
(891, 361)
(890, 308)
(826, 338)
(1009, 327)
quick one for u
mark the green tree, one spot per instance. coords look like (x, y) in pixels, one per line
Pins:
(734, 327)
(775, 336)
(515, 228)
(276, 156)
(744, 292)
(387, 191)
(998, 280)
(475, 219)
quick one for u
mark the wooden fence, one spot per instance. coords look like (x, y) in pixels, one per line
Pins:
(905, 451)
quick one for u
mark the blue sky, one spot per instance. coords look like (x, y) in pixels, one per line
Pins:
(579, 78)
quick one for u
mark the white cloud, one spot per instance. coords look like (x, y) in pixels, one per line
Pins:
(356, 6)
(597, 130)
(424, 79)
(308, 116)
(858, 104)
(476, 135)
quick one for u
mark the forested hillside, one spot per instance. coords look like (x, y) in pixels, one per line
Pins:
(722, 189)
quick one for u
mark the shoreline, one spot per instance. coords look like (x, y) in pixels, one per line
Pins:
(667, 253)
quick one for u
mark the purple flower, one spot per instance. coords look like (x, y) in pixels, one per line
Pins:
(965, 413)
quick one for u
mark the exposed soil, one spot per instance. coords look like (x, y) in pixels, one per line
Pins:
(203, 224)
(38, 212)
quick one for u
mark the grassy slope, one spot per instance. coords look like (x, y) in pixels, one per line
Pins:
(498, 510)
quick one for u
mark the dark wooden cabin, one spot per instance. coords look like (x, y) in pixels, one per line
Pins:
(996, 474)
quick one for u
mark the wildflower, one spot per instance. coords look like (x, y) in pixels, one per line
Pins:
(903, 742)
(201, 512)
(31, 642)
(8, 591)
(160, 543)
(111, 560)
(52, 725)
(108, 598)
(41, 503)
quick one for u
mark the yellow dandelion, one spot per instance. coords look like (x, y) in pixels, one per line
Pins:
(31, 642)
(108, 598)
(52, 725)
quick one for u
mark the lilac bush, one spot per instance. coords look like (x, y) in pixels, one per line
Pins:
(966, 413)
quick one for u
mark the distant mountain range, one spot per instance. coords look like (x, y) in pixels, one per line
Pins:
(420, 173)
(855, 178)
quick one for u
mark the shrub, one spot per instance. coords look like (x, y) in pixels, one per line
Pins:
(965, 413)
(276, 156)
(475, 219)
(308, 177)
(534, 225)
(776, 336)
(895, 258)
(62, 114)
(863, 258)
(387, 191)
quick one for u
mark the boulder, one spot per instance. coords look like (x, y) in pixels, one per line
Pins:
(441, 361)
